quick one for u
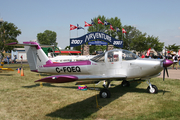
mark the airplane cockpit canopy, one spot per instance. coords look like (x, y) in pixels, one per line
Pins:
(99, 58)
(114, 56)
(127, 55)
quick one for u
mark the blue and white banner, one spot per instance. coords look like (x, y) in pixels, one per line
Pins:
(97, 43)
(95, 36)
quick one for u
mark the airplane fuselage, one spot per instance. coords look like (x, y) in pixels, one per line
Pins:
(133, 68)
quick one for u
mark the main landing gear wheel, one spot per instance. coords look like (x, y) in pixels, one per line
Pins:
(105, 93)
(152, 90)
(125, 83)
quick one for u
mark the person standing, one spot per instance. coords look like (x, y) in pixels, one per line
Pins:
(8, 59)
(175, 60)
(1, 57)
(21, 60)
(179, 60)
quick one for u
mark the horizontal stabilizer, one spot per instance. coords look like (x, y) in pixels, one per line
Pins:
(17, 44)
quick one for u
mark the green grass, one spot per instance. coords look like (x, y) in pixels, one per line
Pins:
(22, 99)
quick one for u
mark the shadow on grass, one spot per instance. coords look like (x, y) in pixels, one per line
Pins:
(6, 74)
(48, 85)
(85, 108)
(43, 74)
(37, 85)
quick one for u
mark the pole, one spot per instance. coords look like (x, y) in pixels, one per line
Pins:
(69, 38)
(122, 35)
(77, 32)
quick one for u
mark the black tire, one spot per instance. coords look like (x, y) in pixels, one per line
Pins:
(153, 91)
(105, 93)
(125, 83)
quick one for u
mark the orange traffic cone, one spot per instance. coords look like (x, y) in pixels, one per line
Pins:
(18, 70)
(22, 72)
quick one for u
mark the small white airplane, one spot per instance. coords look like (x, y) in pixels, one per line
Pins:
(117, 64)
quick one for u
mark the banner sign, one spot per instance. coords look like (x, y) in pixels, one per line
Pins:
(97, 43)
(95, 36)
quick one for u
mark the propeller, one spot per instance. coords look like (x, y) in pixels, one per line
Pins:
(166, 63)
(165, 69)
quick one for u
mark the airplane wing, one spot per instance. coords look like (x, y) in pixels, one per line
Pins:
(72, 78)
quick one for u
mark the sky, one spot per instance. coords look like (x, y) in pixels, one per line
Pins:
(158, 18)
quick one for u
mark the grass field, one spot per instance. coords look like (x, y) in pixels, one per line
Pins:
(22, 99)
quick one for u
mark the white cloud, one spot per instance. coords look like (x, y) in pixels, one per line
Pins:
(179, 28)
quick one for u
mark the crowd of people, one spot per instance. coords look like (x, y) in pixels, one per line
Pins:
(7, 59)
(174, 58)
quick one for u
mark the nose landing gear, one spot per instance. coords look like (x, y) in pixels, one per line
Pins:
(151, 88)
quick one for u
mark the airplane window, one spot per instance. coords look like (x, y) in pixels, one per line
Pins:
(127, 55)
(99, 58)
(113, 56)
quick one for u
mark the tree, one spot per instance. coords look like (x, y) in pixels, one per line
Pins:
(140, 43)
(173, 47)
(48, 37)
(133, 39)
(115, 22)
(77, 48)
(154, 42)
(136, 40)
(8, 34)
(67, 48)
(130, 39)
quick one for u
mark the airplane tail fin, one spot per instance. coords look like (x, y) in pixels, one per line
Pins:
(35, 55)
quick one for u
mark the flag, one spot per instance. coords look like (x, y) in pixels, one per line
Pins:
(118, 30)
(87, 24)
(106, 23)
(111, 27)
(79, 27)
(99, 22)
(147, 54)
(92, 22)
(123, 30)
(72, 27)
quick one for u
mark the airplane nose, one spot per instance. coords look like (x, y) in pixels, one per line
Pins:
(167, 63)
